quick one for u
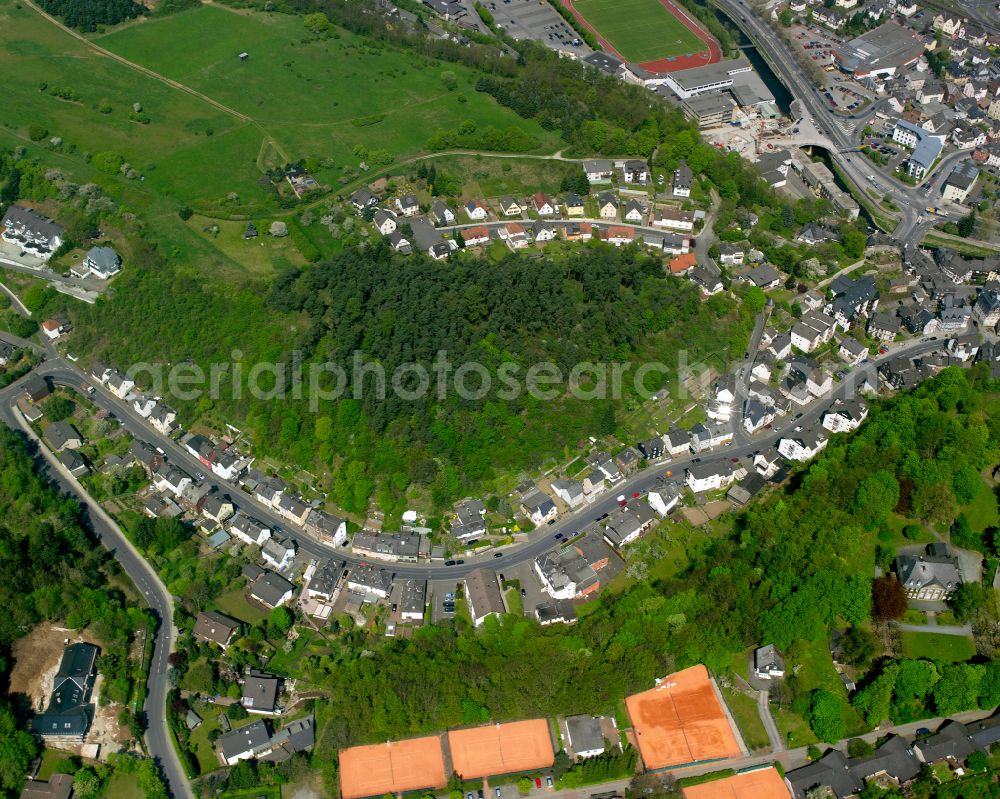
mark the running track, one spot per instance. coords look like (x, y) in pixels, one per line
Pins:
(710, 55)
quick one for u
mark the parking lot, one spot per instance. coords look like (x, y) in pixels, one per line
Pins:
(438, 591)
(531, 19)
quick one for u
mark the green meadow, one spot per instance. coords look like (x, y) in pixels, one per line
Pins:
(317, 97)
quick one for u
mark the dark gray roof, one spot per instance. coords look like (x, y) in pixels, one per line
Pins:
(269, 588)
(104, 259)
(952, 740)
(894, 757)
(245, 739)
(260, 692)
(60, 433)
(830, 770)
(19, 216)
(585, 733)
(214, 627)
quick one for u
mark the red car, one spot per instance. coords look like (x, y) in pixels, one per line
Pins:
(538, 782)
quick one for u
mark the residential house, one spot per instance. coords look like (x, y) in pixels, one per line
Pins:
(731, 253)
(244, 743)
(543, 205)
(408, 205)
(931, 577)
(102, 262)
(846, 417)
(628, 459)
(768, 664)
(704, 437)
(635, 171)
(385, 221)
(811, 331)
(469, 521)
(635, 211)
(664, 498)
(539, 508)
(884, 327)
(58, 786)
(952, 742)
(475, 235)
(68, 713)
(260, 692)
(852, 351)
(598, 170)
(682, 180)
(702, 477)
(370, 581)
(593, 483)
(767, 462)
(214, 628)
(683, 263)
(564, 574)
(278, 551)
(852, 299)
(387, 546)
(74, 463)
(652, 448)
(802, 445)
(413, 600)
(626, 524)
(569, 491)
(515, 235)
(677, 442)
(543, 232)
(326, 527)
(674, 219)
(324, 582)
(708, 279)
(960, 182)
(292, 508)
(271, 590)
(62, 435)
(757, 415)
(764, 277)
(574, 204)
(483, 596)
(248, 529)
(362, 200)
(217, 506)
(607, 205)
(117, 383)
(476, 210)
(31, 232)
(509, 206)
(443, 215)
(987, 308)
(163, 419)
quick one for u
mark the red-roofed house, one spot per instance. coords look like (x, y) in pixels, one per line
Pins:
(480, 234)
(544, 205)
(681, 264)
(619, 235)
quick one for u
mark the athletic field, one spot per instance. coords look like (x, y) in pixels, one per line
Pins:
(640, 30)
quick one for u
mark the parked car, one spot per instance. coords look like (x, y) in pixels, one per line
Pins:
(548, 781)
(538, 783)
(523, 593)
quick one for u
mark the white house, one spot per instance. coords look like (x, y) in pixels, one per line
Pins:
(102, 262)
(663, 500)
(279, 552)
(569, 491)
(846, 417)
(475, 210)
(710, 476)
(248, 529)
(385, 221)
(31, 232)
(803, 446)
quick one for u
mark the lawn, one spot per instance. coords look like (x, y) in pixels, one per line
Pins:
(316, 97)
(122, 786)
(936, 646)
(982, 511)
(235, 603)
(482, 176)
(744, 710)
(189, 148)
(641, 30)
(793, 727)
(813, 668)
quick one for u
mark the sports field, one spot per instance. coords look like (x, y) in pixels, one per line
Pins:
(764, 783)
(501, 748)
(681, 722)
(394, 767)
(640, 30)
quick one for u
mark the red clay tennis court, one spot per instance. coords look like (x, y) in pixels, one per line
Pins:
(392, 767)
(681, 722)
(501, 748)
(763, 783)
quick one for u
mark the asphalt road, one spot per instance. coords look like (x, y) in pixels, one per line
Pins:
(158, 739)
(63, 373)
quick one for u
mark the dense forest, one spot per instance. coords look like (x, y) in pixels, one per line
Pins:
(595, 304)
(88, 14)
(52, 569)
(795, 565)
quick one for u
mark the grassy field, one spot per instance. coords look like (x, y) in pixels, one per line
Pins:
(641, 30)
(744, 710)
(175, 151)
(813, 668)
(315, 97)
(234, 603)
(123, 786)
(983, 512)
(935, 646)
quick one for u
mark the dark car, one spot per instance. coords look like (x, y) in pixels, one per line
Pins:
(393, 607)
(498, 554)
(523, 593)
(551, 521)
(449, 563)
(459, 562)
(558, 536)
